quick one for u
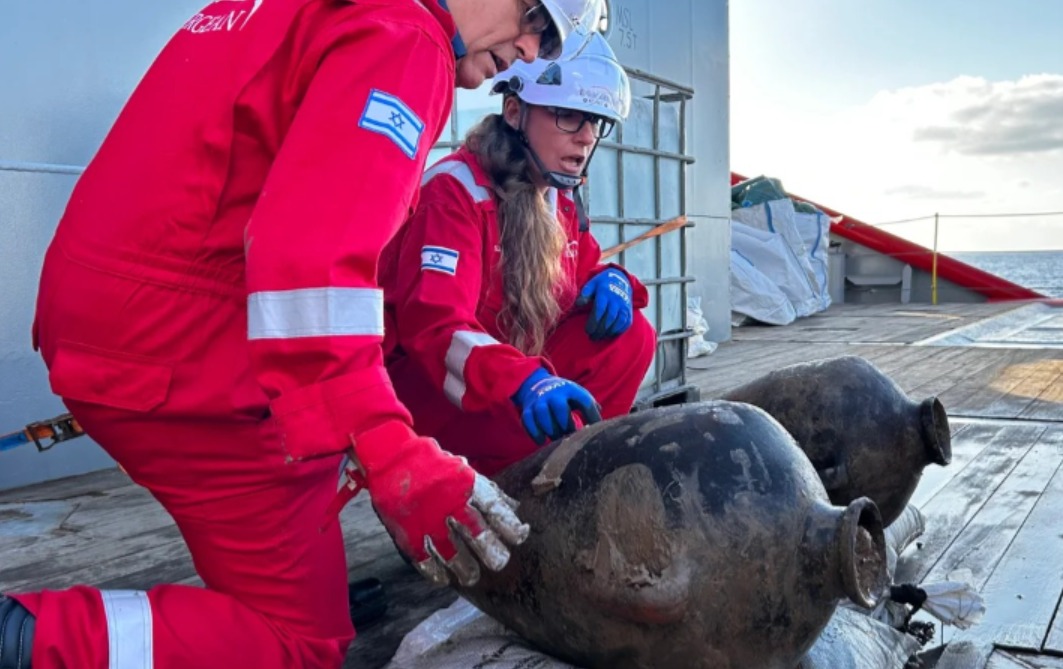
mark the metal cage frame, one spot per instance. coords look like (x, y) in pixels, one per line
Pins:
(671, 346)
(671, 354)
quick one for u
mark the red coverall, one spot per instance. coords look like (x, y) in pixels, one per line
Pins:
(450, 362)
(209, 312)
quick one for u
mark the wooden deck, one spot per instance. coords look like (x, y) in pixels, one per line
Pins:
(996, 510)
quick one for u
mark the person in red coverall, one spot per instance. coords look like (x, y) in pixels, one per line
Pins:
(208, 311)
(502, 319)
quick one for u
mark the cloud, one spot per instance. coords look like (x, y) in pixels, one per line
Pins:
(963, 146)
(977, 117)
(917, 192)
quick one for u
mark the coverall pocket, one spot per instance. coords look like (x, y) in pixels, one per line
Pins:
(109, 378)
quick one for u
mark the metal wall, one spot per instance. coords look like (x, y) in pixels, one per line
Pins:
(686, 41)
(71, 66)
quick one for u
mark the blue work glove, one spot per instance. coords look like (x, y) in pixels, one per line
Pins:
(611, 312)
(546, 404)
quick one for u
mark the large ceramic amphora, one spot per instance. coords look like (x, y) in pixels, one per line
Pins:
(863, 434)
(695, 536)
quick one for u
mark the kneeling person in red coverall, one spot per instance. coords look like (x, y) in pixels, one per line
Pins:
(208, 311)
(502, 319)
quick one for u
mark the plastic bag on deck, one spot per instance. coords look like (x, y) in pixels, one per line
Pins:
(954, 603)
(696, 345)
(908, 527)
(854, 640)
(461, 636)
(753, 292)
(789, 263)
(814, 229)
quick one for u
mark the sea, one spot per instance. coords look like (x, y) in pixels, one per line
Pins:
(1038, 270)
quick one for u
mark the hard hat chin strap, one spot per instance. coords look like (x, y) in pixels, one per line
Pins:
(559, 180)
(581, 211)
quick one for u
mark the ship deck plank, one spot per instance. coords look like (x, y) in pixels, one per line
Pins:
(996, 510)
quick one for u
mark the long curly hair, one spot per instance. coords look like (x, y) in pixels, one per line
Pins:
(533, 240)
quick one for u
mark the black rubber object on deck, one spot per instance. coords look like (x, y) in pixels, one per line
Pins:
(367, 599)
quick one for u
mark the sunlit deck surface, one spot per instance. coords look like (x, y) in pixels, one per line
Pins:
(997, 509)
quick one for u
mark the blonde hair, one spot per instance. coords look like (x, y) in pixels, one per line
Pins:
(532, 239)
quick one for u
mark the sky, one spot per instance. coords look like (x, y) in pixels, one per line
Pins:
(895, 109)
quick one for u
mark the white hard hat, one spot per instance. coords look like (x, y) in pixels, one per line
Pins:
(586, 77)
(575, 16)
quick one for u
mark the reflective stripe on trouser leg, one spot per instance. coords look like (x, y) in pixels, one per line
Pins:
(129, 632)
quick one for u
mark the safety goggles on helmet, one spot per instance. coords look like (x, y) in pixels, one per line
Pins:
(573, 120)
(537, 21)
(570, 17)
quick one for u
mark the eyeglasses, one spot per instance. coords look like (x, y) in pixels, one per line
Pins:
(573, 120)
(536, 20)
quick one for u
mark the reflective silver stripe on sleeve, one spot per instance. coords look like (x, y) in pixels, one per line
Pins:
(461, 346)
(462, 173)
(315, 312)
(129, 629)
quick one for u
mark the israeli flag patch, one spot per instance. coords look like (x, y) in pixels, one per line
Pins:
(439, 259)
(389, 116)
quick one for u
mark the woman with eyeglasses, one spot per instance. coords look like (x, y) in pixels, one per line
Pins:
(501, 318)
(209, 312)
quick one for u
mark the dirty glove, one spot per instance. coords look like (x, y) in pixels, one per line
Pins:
(546, 403)
(442, 514)
(610, 291)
